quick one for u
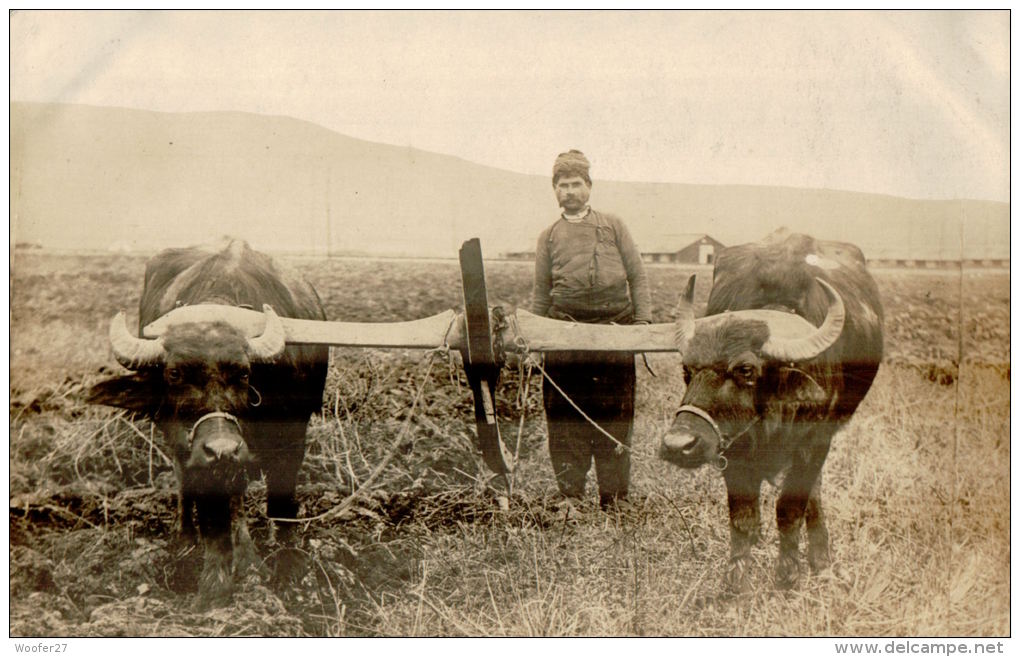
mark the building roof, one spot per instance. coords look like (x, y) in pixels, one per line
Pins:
(671, 242)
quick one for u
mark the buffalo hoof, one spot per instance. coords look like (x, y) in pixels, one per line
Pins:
(738, 577)
(288, 567)
(787, 572)
(216, 583)
(182, 566)
(835, 576)
(244, 549)
(818, 559)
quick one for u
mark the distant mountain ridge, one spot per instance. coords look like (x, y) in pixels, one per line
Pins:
(86, 177)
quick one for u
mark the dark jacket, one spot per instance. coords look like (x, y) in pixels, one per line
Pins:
(590, 271)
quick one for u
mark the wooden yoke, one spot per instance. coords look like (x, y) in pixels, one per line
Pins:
(482, 360)
(481, 337)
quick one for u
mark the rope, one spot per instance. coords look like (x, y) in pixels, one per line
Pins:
(443, 350)
(525, 350)
(648, 365)
(522, 403)
(620, 447)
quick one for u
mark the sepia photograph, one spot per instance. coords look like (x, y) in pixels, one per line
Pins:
(546, 323)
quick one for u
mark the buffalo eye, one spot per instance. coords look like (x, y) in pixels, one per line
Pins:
(746, 373)
(173, 375)
(686, 374)
(237, 375)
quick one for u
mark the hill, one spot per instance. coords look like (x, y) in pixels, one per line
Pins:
(103, 178)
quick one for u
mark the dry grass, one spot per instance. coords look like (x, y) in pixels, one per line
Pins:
(916, 488)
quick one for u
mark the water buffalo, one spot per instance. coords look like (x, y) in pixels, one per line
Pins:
(228, 403)
(789, 346)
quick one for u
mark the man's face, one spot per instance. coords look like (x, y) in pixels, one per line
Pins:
(572, 193)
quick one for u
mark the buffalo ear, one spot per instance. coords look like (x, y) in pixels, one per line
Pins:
(796, 385)
(139, 393)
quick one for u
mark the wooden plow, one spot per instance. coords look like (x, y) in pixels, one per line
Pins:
(482, 334)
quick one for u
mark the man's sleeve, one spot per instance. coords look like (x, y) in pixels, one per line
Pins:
(640, 293)
(541, 298)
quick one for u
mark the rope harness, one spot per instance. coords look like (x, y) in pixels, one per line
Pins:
(212, 416)
(724, 441)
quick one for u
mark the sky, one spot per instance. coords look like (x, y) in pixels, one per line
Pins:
(912, 104)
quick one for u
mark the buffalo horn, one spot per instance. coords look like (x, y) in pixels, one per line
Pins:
(132, 352)
(268, 346)
(803, 348)
(685, 315)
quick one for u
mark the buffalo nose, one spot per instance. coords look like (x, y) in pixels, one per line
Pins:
(683, 443)
(222, 448)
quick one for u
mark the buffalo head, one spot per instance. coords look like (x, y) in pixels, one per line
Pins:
(194, 382)
(735, 365)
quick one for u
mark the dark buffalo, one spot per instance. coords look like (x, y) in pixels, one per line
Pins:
(228, 403)
(789, 346)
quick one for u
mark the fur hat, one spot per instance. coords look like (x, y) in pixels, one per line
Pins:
(570, 164)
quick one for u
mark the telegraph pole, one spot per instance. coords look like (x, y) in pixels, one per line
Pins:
(329, 217)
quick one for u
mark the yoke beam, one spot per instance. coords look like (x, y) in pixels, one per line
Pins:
(476, 333)
(443, 329)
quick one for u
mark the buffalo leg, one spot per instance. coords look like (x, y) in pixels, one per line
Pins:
(817, 532)
(244, 547)
(743, 490)
(214, 520)
(281, 465)
(186, 508)
(801, 482)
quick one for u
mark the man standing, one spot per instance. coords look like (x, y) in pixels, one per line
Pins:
(588, 269)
